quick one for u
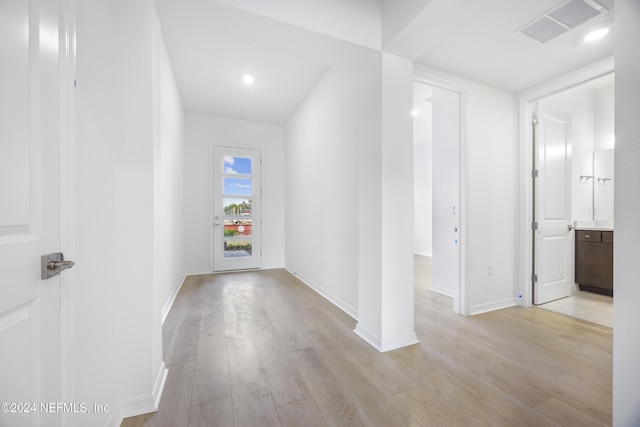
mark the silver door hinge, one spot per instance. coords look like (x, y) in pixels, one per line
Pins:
(534, 225)
(534, 278)
(534, 173)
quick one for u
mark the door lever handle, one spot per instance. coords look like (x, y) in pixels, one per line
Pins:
(54, 264)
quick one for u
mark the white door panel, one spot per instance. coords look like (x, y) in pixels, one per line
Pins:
(553, 209)
(30, 118)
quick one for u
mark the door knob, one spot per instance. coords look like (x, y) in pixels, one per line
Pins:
(53, 264)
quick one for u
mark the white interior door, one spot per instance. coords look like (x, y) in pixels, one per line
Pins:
(237, 198)
(30, 126)
(446, 191)
(552, 212)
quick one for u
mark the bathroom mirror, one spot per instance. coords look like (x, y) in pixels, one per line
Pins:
(603, 172)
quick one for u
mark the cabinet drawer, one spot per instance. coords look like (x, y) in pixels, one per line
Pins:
(588, 236)
(607, 237)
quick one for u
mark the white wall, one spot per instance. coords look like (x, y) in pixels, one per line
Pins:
(96, 290)
(201, 132)
(422, 171)
(489, 191)
(321, 163)
(579, 104)
(349, 197)
(396, 171)
(603, 118)
(123, 157)
(626, 322)
(168, 179)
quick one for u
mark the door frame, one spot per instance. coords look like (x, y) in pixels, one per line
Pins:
(460, 300)
(67, 30)
(526, 99)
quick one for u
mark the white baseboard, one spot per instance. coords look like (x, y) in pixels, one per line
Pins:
(197, 272)
(373, 340)
(351, 311)
(443, 291)
(139, 405)
(493, 305)
(383, 345)
(171, 300)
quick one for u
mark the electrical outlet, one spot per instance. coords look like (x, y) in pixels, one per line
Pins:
(490, 270)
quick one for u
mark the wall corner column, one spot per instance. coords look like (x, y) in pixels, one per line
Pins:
(385, 289)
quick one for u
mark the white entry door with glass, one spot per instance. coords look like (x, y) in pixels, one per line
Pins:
(236, 236)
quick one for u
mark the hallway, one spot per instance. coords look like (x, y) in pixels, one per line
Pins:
(261, 348)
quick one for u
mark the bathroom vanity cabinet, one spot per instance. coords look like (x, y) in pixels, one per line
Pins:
(594, 260)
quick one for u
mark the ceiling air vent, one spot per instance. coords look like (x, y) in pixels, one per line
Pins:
(561, 19)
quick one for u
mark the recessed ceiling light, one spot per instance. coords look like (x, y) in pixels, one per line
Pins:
(248, 79)
(596, 35)
(415, 112)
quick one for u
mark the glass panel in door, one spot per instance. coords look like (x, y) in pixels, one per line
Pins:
(236, 234)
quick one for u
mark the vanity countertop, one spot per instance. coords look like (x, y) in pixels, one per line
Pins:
(594, 228)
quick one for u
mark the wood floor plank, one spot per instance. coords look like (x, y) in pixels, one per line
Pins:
(211, 378)
(184, 342)
(376, 397)
(175, 403)
(305, 411)
(214, 413)
(337, 405)
(285, 382)
(252, 401)
(566, 414)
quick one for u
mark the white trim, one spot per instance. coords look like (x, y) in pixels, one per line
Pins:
(211, 201)
(326, 295)
(139, 405)
(172, 298)
(430, 77)
(388, 344)
(67, 58)
(442, 291)
(158, 387)
(372, 339)
(399, 342)
(197, 272)
(494, 305)
(558, 84)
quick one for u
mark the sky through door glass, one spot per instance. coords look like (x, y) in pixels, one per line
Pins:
(237, 165)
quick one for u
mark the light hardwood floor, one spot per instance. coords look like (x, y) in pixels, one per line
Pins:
(260, 348)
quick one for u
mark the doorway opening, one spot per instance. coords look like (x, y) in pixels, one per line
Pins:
(437, 190)
(572, 200)
(236, 209)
